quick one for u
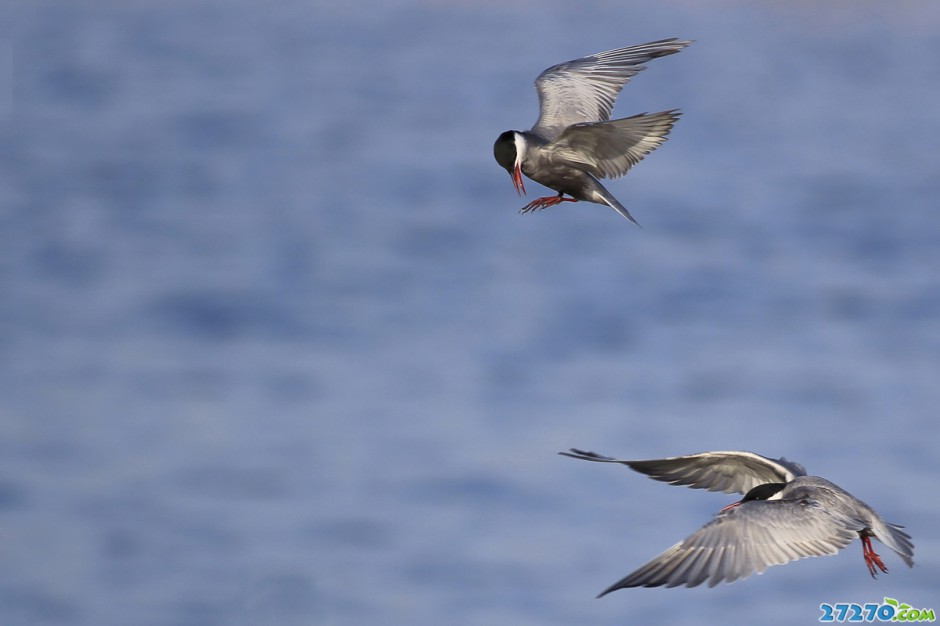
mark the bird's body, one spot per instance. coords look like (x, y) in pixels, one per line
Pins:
(574, 142)
(785, 515)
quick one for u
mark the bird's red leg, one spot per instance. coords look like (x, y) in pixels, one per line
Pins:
(872, 560)
(547, 201)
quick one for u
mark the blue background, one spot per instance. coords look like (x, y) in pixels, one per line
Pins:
(277, 348)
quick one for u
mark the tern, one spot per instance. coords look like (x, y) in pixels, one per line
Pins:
(574, 142)
(784, 515)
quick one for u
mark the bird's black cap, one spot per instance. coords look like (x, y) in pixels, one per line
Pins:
(505, 150)
(762, 492)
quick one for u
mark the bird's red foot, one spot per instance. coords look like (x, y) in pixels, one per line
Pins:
(541, 203)
(872, 560)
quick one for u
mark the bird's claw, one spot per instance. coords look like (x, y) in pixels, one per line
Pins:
(872, 560)
(541, 203)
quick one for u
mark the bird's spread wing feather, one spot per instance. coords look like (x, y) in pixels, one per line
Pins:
(584, 90)
(728, 472)
(746, 539)
(609, 149)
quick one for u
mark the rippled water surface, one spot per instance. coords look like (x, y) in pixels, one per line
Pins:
(277, 348)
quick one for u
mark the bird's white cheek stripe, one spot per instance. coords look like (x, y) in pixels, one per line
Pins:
(520, 148)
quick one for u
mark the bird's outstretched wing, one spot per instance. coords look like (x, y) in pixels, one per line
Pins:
(728, 472)
(584, 90)
(746, 539)
(609, 149)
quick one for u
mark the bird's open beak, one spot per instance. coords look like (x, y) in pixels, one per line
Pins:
(517, 180)
(730, 506)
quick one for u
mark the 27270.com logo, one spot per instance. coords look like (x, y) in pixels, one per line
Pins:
(888, 611)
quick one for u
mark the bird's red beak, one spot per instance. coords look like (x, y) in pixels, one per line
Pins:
(517, 180)
(730, 506)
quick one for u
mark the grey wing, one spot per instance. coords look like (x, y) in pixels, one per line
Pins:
(746, 539)
(584, 90)
(728, 472)
(609, 149)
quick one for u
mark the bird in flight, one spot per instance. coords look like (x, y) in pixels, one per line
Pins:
(574, 142)
(784, 515)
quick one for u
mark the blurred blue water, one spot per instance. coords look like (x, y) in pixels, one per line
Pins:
(277, 348)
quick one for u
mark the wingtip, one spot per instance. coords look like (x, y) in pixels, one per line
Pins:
(606, 591)
(675, 45)
(575, 453)
(625, 583)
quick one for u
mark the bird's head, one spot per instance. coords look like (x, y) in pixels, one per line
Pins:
(509, 150)
(767, 491)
